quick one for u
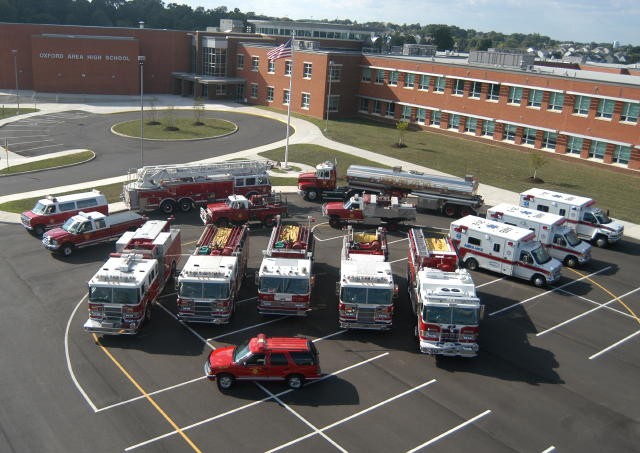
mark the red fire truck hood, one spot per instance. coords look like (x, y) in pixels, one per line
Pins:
(334, 206)
(217, 206)
(221, 358)
(306, 176)
(29, 214)
(57, 234)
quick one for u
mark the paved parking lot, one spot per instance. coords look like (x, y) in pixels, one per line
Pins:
(557, 369)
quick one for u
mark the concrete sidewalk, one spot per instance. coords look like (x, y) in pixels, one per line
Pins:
(305, 132)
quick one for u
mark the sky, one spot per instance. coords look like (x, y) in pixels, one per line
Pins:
(562, 20)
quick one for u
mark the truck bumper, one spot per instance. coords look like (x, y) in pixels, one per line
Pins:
(213, 319)
(449, 349)
(112, 328)
(282, 311)
(346, 324)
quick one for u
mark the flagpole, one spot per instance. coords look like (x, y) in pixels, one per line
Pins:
(286, 146)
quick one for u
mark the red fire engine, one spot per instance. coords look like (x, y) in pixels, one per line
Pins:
(183, 186)
(210, 281)
(122, 291)
(284, 279)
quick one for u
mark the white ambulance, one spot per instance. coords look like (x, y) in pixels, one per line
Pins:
(551, 230)
(505, 249)
(590, 223)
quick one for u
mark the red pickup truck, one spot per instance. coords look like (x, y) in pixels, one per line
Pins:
(238, 210)
(90, 228)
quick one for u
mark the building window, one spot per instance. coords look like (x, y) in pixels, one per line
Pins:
(214, 62)
(221, 90)
(406, 113)
(288, 65)
(454, 121)
(488, 127)
(549, 140)
(272, 66)
(240, 61)
(306, 72)
(254, 90)
(597, 149)
(574, 145)
(255, 63)
(306, 100)
(391, 109)
(435, 118)
(439, 85)
(420, 115)
(424, 82)
(335, 73)
(379, 76)
(364, 105)
(393, 78)
(366, 74)
(581, 105)
(333, 102)
(470, 125)
(515, 95)
(630, 112)
(529, 136)
(556, 101)
(605, 108)
(621, 154)
(458, 87)
(409, 80)
(286, 96)
(270, 94)
(494, 92)
(535, 98)
(476, 89)
(509, 132)
(377, 107)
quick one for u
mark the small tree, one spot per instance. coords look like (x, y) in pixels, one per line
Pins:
(153, 114)
(401, 126)
(170, 118)
(536, 161)
(198, 112)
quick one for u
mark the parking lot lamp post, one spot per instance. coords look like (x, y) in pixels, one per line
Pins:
(141, 59)
(15, 68)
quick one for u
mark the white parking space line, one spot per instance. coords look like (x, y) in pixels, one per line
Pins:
(246, 300)
(142, 397)
(490, 282)
(17, 137)
(330, 239)
(593, 302)
(184, 324)
(247, 328)
(585, 313)
(330, 335)
(301, 418)
(549, 450)
(452, 430)
(246, 406)
(357, 414)
(41, 147)
(398, 261)
(30, 142)
(397, 240)
(548, 291)
(614, 345)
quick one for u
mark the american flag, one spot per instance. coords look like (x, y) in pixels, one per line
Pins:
(282, 51)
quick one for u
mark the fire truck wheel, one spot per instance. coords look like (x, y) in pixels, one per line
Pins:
(186, 205)
(449, 210)
(465, 211)
(168, 206)
(295, 381)
(571, 261)
(147, 314)
(268, 221)
(471, 264)
(312, 195)
(538, 281)
(600, 241)
(225, 381)
(67, 249)
(38, 230)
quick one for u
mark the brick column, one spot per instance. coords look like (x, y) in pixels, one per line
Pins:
(444, 120)
(634, 159)
(584, 153)
(608, 153)
(561, 144)
(498, 131)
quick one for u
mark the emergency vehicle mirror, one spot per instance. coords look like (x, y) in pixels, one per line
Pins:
(481, 312)
(337, 288)
(256, 279)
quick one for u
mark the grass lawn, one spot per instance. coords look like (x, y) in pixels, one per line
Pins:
(44, 164)
(177, 129)
(6, 112)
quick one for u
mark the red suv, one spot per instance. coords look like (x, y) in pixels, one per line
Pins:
(290, 359)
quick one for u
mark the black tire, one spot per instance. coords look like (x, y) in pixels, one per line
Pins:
(600, 241)
(225, 381)
(465, 211)
(186, 205)
(449, 210)
(168, 206)
(223, 222)
(268, 221)
(472, 264)
(571, 261)
(38, 230)
(147, 315)
(295, 381)
(67, 249)
(312, 195)
(538, 280)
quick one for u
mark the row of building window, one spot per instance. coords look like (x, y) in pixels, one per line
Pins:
(335, 72)
(515, 95)
(305, 102)
(487, 128)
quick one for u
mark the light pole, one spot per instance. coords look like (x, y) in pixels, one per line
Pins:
(326, 124)
(141, 59)
(15, 68)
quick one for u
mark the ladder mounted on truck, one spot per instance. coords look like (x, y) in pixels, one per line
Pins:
(291, 240)
(221, 241)
(152, 175)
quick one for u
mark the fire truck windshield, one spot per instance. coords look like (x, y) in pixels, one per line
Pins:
(374, 296)
(107, 295)
(210, 290)
(450, 315)
(241, 351)
(73, 226)
(284, 285)
(39, 208)
(541, 255)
